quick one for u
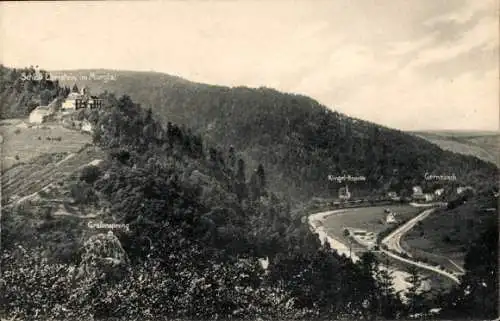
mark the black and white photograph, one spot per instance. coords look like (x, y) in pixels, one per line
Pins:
(250, 160)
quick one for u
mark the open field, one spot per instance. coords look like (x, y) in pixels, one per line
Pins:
(371, 219)
(23, 142)
(483, 145)
(442, 260)
(447, 233)
(25, 179)
(460, 133)
(425, 247)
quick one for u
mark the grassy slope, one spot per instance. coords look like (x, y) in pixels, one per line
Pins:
(448, 232)
(484, 145)
(28, 142)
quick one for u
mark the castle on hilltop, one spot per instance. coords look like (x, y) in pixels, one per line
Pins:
(82, 99)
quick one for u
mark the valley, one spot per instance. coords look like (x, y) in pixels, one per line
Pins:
(371, 221)
(188, 196)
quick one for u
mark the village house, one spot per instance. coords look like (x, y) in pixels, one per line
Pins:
(463, 189)
(42, 113)
(87, 126)
(418, 194)
(393, 196)
(428, 197)
(417, 191)
(391, 218)
(344, 193)
(439, 192)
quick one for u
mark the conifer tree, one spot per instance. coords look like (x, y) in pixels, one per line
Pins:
(232, 157)
(261, 176)
(240, 184)
(415, 295)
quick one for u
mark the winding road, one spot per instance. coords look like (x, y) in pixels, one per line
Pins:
(316, 224)
(392, 241)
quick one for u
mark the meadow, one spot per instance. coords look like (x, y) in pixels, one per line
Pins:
(23, 142)
(371, 219)
(483, 145)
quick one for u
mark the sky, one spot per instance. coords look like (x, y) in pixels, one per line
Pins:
(411, 65)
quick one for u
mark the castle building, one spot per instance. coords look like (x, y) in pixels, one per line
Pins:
(83, 99)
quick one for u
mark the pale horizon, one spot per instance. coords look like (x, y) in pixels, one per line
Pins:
(426, 65)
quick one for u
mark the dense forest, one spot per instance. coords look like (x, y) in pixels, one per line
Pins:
(299, 141)
(204, 208)
(198, 226)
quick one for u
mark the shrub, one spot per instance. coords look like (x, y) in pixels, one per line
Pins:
(90, 174)
(82, 193)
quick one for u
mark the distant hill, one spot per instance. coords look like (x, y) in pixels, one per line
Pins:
(482, 144)
(298, 140)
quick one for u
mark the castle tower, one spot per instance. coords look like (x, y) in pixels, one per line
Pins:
(85, 91)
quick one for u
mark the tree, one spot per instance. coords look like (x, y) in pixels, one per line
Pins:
(369, 288)
(232, 157)
(148, 119)
(387, 303)
(75, 89)
(416, 294)
(477, 295)
(240, 184)
(90, 174)
(261, 176)
(45, 97)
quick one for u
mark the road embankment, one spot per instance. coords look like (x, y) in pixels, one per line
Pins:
(394, 249)
(316, 223)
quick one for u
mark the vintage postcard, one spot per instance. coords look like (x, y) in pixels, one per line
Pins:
(249, 160)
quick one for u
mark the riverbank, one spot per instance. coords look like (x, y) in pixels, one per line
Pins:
(316, 223)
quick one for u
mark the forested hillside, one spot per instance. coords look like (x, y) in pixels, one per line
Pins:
(299, 141)
(22, 90)
(201, 212)
(197, 227)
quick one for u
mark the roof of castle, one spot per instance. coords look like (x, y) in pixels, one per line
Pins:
(74, 96)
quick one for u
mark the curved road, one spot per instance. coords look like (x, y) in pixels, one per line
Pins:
(392, 241)
(316, 223)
